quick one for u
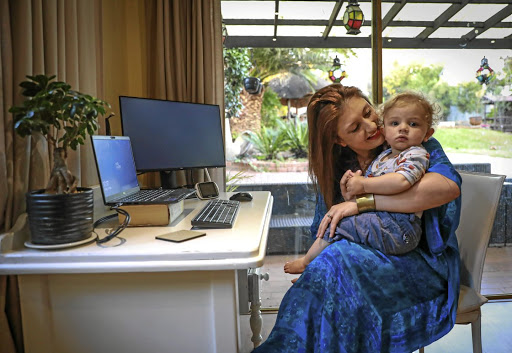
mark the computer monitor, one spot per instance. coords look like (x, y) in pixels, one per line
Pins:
(168, 135)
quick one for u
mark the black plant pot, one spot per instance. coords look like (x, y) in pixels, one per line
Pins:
(60, 218)
(252, 85)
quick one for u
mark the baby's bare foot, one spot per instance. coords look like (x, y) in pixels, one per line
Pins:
(295, 280)
(297, 266)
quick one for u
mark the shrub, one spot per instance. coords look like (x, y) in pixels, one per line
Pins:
(296, 137)
(269, 142)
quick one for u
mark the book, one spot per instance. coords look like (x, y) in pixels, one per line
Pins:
(152, 215)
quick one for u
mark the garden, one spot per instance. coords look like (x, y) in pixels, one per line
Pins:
(267, 90)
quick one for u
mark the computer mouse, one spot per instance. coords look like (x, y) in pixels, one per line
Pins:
(241, 196)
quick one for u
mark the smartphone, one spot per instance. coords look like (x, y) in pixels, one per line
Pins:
(180, 235)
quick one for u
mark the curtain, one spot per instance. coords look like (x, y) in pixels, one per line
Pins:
(59, 37)
(185, 61)
(169, 49)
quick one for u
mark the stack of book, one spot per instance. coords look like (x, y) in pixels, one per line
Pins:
(152, 215)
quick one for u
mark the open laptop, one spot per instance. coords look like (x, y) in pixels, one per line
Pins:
(118, 175)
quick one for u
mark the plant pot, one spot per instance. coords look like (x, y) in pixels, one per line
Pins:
(475, 120)
(252, 85)
(60, 218)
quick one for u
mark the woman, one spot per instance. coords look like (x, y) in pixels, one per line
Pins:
(353, 298)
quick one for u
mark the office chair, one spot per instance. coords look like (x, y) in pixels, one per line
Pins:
(480, 196)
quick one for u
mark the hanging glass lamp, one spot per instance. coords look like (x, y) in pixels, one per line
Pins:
(353, 17)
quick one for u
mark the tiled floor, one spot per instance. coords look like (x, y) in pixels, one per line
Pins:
(497, 278)
(496, 328)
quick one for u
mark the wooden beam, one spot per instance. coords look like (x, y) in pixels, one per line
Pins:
(376, 39)
(364, 42)
(442, 19)
(393, 23)
(276, 18)
(412, 1)
(332, 19)
(395, 9)
(491, 22)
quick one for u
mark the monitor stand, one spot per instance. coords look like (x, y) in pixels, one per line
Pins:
(168, 179)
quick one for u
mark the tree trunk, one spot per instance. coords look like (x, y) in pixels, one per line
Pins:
(62, 181)
(250, 116)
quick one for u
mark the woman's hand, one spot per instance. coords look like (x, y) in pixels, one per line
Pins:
(343, 184)
(335, 215)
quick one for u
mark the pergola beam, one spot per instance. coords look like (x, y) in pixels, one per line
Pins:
(364, 42)
(395, 9)
(276, 18)
(442, 19)
(376, 43)
(490, 23)
(284, 22)
(332, 19)
(472, 29)
(415, 1)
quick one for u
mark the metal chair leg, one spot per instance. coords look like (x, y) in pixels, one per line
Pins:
(476, 333)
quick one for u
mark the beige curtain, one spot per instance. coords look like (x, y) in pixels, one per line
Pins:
(185, 60)
(60, 37)
(154, 48)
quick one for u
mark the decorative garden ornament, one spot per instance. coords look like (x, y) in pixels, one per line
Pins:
(485, 74)
(336, 73)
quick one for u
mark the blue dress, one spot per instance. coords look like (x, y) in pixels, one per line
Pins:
(353, 298)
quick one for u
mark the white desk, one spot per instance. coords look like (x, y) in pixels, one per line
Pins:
(146, 295)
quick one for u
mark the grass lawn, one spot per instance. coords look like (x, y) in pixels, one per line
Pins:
(475, 141)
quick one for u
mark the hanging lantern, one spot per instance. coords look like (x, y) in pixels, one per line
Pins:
(336, 73)
(353, 17)
(484, 74)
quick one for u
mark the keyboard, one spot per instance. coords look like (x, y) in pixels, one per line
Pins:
(217, 214)
(157, 195)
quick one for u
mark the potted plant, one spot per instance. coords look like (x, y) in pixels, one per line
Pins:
(252, 85)
(62, 213)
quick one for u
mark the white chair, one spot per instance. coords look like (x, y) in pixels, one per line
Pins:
(480, 196)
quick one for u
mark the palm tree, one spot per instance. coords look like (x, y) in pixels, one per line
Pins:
(268, 62)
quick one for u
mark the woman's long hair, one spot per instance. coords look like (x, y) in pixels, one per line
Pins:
(328, 161)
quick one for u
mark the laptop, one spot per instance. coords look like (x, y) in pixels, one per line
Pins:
(118, 175)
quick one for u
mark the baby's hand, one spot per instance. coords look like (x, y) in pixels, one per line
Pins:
(350, 174)
(355, 186)
(343, 183)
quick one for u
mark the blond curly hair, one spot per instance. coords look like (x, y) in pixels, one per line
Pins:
(432, 110)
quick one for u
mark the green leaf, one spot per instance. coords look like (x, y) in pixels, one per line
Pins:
(52, 104)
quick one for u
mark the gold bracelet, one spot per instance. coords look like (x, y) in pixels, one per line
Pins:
(365, 203)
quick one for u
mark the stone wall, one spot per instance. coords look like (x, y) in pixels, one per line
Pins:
(269, 166)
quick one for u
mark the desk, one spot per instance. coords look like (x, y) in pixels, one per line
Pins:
(146, 295)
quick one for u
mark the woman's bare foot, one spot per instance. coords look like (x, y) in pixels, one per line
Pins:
(297, 266)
